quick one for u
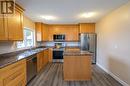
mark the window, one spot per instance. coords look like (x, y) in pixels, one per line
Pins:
(28, 39)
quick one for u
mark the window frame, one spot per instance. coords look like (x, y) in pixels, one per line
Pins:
(33, 33)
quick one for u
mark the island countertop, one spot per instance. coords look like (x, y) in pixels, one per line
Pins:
(76, 52)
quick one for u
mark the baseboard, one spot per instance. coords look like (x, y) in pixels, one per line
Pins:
(114, 76)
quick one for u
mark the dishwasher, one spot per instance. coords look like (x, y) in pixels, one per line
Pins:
(31, 67)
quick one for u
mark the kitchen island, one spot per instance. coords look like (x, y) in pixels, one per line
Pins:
(77, 65)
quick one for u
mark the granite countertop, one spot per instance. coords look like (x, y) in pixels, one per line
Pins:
(76, 52)
(8, 59)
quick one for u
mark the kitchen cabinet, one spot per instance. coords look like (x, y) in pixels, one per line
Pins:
(50, 54)
(15, 25)
(87, 27)
(38, 27)
(14, 74)
(40, 61)
(77, 68)
(3, 30)
(46, 56)
(71, 32)
(41, 31)
(45, 32)
(12, 26)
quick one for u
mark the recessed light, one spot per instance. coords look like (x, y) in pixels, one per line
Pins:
(87, 15)
(48, 17)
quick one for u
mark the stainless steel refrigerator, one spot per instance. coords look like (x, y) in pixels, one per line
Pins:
(88, 42)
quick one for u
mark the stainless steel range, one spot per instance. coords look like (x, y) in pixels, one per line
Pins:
(58, 52)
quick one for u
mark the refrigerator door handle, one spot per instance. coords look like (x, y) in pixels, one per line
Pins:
(88, 43)
(88, 46)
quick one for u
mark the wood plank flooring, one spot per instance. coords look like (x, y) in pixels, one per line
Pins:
(52, 75)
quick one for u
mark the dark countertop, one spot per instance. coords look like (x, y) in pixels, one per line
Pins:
(75, 52)
(8, 59)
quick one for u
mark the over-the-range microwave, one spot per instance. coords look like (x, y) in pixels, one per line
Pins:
(59, 37)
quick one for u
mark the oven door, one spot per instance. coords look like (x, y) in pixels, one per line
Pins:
(57, 55)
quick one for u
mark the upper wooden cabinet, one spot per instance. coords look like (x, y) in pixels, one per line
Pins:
(3, 30)
(15, 25)
(38, 27)
(87, 28)
(45, 32)
(12, 26)
(71, 32)
(41, 31)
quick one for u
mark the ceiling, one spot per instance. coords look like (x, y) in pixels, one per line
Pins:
(68, 11)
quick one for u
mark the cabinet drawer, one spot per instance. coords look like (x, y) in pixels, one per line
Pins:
(13, 67)
(12, 77)
(19, 81)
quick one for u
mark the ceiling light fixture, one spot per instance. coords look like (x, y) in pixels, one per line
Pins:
(48, 17)
(87, 15)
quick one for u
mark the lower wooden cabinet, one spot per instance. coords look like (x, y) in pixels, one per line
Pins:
(46, 56)
(77, 68)
(14, 74)
(50, 54)
(42, 59)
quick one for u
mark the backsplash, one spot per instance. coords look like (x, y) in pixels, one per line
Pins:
(65, 43)
(6, 47)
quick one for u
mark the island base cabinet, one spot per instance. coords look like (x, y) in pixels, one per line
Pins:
(14, 74)
(77, 68)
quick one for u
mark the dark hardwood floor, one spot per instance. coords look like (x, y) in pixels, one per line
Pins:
(52, 75)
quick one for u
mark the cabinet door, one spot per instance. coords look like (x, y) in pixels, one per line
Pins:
(3, 30)
(13, 74)
(40, 58)
(38, 27)
(50, 55)
(72, 34)
(15, 26)
(87, 28)
(44, 32)
(46, 59)
(1, 81)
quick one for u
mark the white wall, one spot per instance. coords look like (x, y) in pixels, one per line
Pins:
(113, 52)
